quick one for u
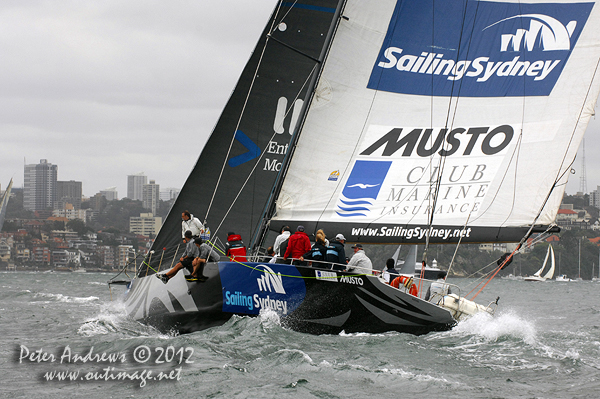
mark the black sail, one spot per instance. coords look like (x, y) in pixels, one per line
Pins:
(260, 118)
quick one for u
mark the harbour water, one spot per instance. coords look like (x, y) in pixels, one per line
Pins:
(544, 342)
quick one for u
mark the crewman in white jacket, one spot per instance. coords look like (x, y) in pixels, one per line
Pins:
(191, 223)
(360, 262)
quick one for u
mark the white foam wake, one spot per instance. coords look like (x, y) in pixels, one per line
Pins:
(507, 324)
(66, 298)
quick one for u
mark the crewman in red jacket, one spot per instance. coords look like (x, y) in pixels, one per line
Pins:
(298, 245)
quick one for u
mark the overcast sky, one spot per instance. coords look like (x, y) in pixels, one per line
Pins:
(104, 89)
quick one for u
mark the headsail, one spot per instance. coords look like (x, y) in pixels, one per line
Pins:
(410, 262)
(4, 203)
(471, 110)
(243, 155)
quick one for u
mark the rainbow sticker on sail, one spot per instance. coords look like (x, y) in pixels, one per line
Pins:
(362, 187)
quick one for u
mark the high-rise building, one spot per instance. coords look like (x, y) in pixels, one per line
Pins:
(68, 192)
(168, 194)
(110, 193)
(39, 188)
(135, 186)
(151, 196)
(146, 224)
(595, 197)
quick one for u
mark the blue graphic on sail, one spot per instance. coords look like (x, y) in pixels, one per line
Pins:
(362, 187)
(501, 49)
(253, 150)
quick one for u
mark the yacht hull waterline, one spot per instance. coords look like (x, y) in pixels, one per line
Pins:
(307, 300)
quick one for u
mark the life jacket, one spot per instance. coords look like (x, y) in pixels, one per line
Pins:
(332, 254)
(315, 253)
(406, 282)
(236, 250)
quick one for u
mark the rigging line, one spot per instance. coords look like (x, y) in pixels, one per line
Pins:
(241, 116)
(431, 157)
(561, 172)
(264, 151)
(587, 94)
(515, 154)
(508, 258)
(354, 151)
(516, 150)
(442, 160)
(541, 237)
(458, 244)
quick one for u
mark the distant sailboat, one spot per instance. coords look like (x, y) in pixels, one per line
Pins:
(538, 275)
(4, 203)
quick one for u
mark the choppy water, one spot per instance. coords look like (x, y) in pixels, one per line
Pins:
(543, 343)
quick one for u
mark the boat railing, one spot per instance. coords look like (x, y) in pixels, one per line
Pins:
(325, 265)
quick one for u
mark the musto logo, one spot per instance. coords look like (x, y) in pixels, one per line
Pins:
(484, 50)
(248, 289)
(400, 167)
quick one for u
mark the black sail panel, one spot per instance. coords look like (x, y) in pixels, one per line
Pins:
(265, 103)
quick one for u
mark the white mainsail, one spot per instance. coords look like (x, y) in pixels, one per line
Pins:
(410, 110)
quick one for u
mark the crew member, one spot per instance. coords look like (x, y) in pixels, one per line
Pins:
(438, 289)
(360, 262)
(186, 260)
(205, 254)
(389, 270)
(191, 223)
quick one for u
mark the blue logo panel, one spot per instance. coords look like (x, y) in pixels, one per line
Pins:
(477, 48)
(250, 287)
(362, 187)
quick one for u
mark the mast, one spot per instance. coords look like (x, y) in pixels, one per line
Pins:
(260, 234)
(579, 272)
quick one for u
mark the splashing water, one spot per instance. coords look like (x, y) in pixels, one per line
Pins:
(506, 324)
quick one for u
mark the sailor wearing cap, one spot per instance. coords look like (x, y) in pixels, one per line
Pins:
(360, 263)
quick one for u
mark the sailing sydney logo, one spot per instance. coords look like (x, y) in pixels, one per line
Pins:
(503, 49)
(270, 281)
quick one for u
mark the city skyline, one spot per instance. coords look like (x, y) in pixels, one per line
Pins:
(134, 91)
